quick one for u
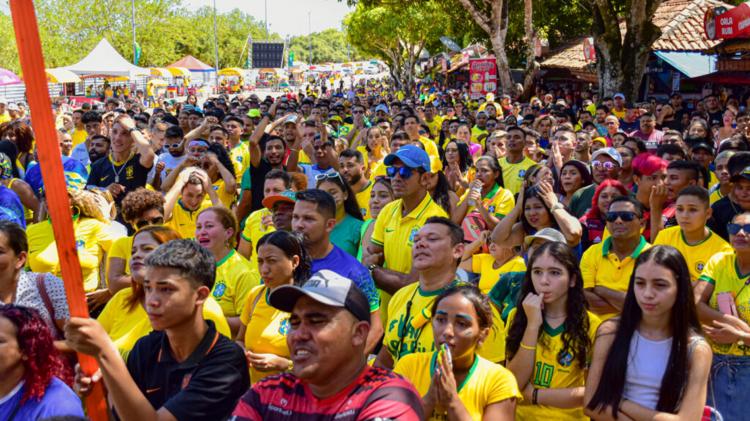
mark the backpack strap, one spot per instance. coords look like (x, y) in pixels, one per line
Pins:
(42, 288)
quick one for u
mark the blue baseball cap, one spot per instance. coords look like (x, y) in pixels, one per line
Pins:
(412, 157)
(382, 107)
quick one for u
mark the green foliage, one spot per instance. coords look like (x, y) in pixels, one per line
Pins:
(329, 46)
(165, 30)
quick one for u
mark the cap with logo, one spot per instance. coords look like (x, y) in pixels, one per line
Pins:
(744, 175)
(547, 234)
(253, 113)
(412, 157)
(610, 152)
(702, 145)
(325, 287)
(286, 196)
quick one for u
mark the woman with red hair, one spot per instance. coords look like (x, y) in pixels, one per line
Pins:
(30, 387)
(593, 221)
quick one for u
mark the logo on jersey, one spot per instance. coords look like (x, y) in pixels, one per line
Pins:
(284, 327)
(565, 359)
(129, 173)
(80, 244)
(491, 209)
(219, 290)
(413, 234)
(521, 173)
(699, 266)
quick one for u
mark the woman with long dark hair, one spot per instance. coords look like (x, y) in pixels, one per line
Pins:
(457, 165)
(439, 189)
(574, 175)
(346, 233)
(30, 369)
(487, 201)
(550, 336)
(455, 382)
(652, 362)
(282, 260)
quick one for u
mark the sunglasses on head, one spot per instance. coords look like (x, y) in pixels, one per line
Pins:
(404, 172)
(606, 165)
(329, 175)
(153, 221)
(626, 216)
(734, 229)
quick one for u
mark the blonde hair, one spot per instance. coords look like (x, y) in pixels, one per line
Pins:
(91, 204)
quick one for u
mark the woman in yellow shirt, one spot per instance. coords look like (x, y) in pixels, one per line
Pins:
(375, 147)
(282, 260)
(550, 336)
(455, 382)
(216, 230)
(124, 317)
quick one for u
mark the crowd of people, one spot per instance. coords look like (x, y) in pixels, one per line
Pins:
(376, 255)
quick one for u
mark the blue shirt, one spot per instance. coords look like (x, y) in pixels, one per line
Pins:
(75, 175)
(342, 263)
(58, 400)
(11, 208)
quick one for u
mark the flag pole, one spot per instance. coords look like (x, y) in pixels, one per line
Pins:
(135, 43)
(32, 64)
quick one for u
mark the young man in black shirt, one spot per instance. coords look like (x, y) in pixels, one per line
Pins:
(738, 199)
(184, 369)
(130, 159)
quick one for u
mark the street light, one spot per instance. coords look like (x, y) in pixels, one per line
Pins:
(216, 47)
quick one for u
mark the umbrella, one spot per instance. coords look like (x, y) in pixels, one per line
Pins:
(8, 78)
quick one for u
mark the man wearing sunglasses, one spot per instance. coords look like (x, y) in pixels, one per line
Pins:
(399, 221)
(605, 164)
(738, 199)
(606, 267)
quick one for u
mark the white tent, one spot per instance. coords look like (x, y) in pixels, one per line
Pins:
(104, 60)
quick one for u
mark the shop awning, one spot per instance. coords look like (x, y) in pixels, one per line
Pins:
(232, 71)
(179, 71)
(160, 72)
(690, 64)
(61, 76)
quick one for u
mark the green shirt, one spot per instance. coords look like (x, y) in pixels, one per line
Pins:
(346, 233)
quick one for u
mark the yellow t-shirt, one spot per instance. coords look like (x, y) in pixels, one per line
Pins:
(715, 195)
(125, 325)
(226, 198)
(396, 233)
(417, 329)
(498, 201)
(435, 125)
(696, 255)
(254, 230)
(486, 383)
(240, 156)
(555, 371)
(721, 272)
(600, 267)
(183, 219)
(476, 132)
(4, 117)
(378, 170)
(234, 280)
(266, 329)
(122, 248)
(484, 265)
(79, 136)
(432, 151)
(363, 200)
(93, 239)
(513, 173)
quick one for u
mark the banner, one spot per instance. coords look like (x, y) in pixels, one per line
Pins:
(720, 23)
(482, 76)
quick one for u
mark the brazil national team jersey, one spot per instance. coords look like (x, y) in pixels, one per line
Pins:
(555, 371)
(234, 280)
(696, 255)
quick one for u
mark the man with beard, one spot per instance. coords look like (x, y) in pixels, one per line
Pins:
(314, 217)
(98, 147)
(92, 123)
(352, 168)
(261, 222)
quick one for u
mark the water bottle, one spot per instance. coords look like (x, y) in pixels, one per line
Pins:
(474, 188)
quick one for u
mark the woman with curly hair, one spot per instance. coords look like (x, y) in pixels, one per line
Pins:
(550, 336)
(30, 387)
(140, 208)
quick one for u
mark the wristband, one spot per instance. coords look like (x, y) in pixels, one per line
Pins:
(530, 348)
(535, 396)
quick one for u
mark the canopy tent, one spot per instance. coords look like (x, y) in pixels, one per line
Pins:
(232, 71)
(179, 71)
(8, 78)
(61, 76)
(104, 60)
(160, 72)
(193, 64)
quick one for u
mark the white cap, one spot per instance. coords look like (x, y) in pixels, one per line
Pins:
(3, 100)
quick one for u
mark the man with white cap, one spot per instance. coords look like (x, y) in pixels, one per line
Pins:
(4, 115)
(605, 164)
(329, 377)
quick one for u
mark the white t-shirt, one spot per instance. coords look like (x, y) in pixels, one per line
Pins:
(28, 295)
(170, 163)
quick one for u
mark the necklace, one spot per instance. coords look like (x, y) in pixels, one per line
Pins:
(116, 171)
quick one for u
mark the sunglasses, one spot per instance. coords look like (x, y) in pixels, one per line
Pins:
(358, 112)
(606, 165)
(329, 176)
(404, 172)
(145, 222)
(735, 229)
(626, 216)
(175, 145)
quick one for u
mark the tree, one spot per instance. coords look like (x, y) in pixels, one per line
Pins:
(329, 46)
(395, 33)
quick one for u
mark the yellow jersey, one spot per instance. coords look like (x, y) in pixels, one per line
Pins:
(554, 370)
(395, 233)
(79, 136)
(234, 280)
(484, 264)
(513, 174)
(266, 329)
(122, 248)
(363, 200)
(409, 317)
(435, 125)
(498, 201)
(254, 230)
(183, 219)
(600, 267)
(226, 198)
(432, 151)
(126, 325)
(93, 239)
(696, 255)
(485, 384)
(715, 195)
(240, 156)
(722, 272)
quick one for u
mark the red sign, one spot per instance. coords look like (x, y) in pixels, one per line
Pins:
(482, 76)
(589, 52)
(721, 23)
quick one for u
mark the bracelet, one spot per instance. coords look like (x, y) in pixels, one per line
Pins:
(530, 348)
(291, 366)
(535, 396)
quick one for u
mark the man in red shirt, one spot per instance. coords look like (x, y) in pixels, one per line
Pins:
(329, 378)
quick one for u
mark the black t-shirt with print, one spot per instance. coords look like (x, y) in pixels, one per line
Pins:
(130, 174)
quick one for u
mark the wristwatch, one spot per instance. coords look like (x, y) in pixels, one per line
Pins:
(134, 129)
(372, 267)
(556, 206)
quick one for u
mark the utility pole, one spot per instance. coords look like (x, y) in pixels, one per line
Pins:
(309, 35)
(135, 45)
(266, 19)
(216, 47)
